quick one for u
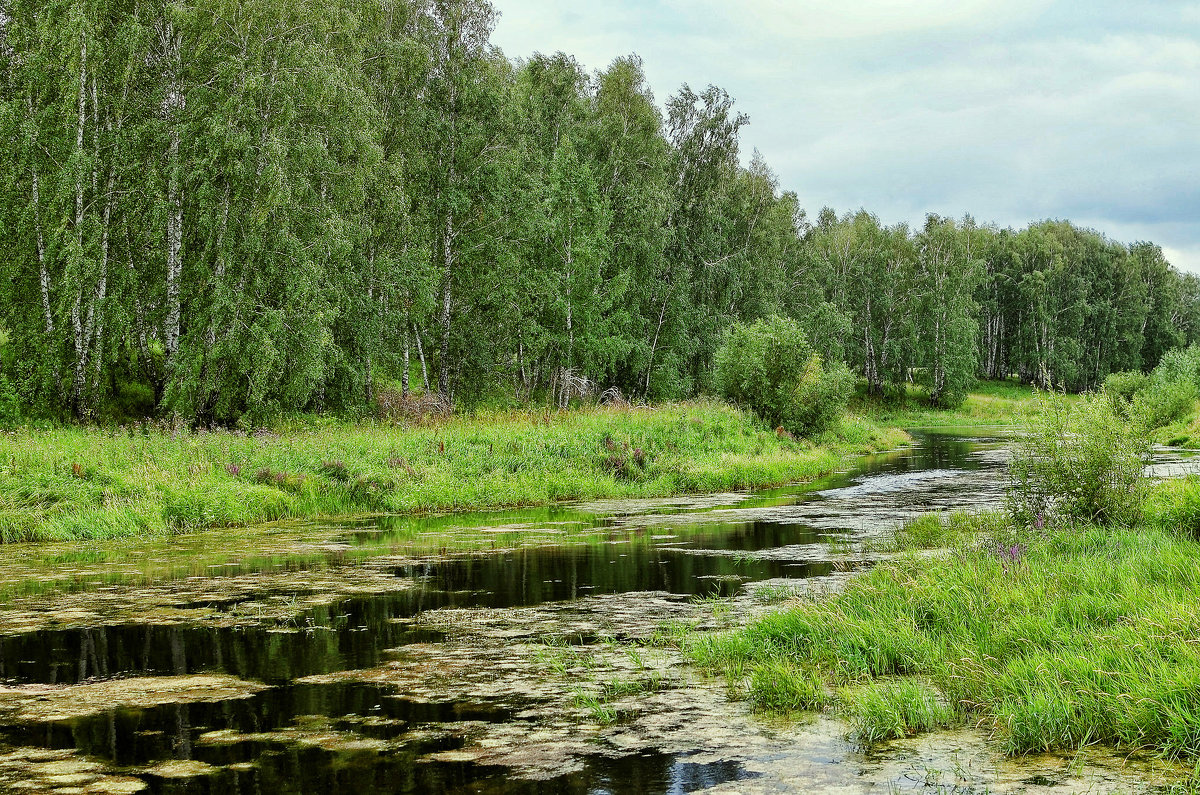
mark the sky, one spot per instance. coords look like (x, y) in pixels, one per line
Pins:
(1011, 110)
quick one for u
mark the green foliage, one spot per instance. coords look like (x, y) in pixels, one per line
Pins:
(892, 710)
(1123, 386)
(10, 406)
(941, 530)
(1163, 402)
(769, 367)
(1081, 462)
(777, 686)
(389, 189)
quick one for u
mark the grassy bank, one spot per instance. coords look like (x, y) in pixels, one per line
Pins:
(93, 483)
(989, 403)
(1053, 639)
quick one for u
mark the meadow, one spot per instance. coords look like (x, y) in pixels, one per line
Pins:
(80, 482)
(1007, 403)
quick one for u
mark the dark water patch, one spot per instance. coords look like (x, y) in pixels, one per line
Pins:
(628, 775)
(247, 728)
(528, 577)
(353, 633)
(312, 771)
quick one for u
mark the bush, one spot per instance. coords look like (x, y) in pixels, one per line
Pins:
(770, 367)
(1080, 462)
(1175, 505)
(1165, 397)
(1179, 364)
(1163, 402)
(1122, 387)
(10, 405)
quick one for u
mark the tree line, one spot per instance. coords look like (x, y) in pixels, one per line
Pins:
(232, 209)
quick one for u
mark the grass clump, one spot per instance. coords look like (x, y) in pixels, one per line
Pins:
(945, 529)
(891, 710)
(778, 686)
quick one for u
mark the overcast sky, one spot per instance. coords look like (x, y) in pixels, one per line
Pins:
(1012, 110)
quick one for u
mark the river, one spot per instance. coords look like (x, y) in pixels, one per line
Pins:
(520, 651)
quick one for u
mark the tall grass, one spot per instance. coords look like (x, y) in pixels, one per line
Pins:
(90, 483)
(989, 403)
(1054, 639)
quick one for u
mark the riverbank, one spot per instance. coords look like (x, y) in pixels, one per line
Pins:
(75, 483)
(1004, 403)
(1049, 640)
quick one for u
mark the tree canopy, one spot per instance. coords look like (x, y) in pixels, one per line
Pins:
(234, 209)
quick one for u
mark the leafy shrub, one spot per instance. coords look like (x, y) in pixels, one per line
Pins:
(1122, 387)
(770, 367)
(1179, 364)
(10, 405)
(1080, 462)
(1163, 402)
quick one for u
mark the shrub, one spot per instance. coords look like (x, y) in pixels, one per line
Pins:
(1121, 387)
(1163, 402)
(770, 367)
(10, 405)
(1179, 364)
(1080, 462)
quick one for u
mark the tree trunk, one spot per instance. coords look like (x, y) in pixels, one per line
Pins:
(43, 271)
(174, 105)
(404, 372)
(77, 382)
(421, 356)
(654, 345)
(447, 255)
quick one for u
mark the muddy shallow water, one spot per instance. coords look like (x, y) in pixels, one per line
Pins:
(514, 651)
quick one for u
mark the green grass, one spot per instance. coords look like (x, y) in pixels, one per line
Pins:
(1053, 640)
(989, 403)
(93, 483)
(1184, 433)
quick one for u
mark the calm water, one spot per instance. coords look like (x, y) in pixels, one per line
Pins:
(412, 671)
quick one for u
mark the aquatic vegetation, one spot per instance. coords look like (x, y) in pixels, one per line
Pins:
(895, 709)
(780, 686)
(87, 483)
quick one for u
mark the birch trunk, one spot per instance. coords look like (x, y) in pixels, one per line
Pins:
(421, 356)
(404, 372)
(77, 381)
(39, 236)
(447, 255)
(174, 105)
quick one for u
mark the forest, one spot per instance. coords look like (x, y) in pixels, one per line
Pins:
(230, 211)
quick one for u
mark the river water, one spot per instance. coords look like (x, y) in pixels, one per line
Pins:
(507, 652)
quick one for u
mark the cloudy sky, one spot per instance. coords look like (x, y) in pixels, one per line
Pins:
(1012, 110)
